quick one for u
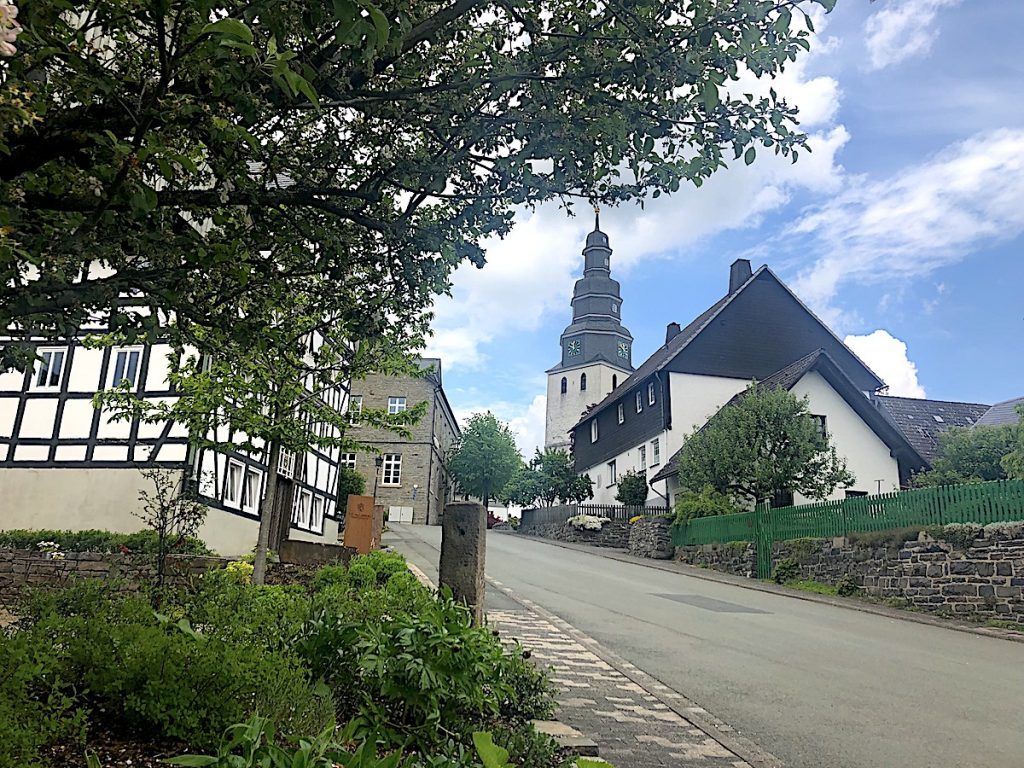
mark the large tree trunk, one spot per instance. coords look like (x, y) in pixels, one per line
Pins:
(268, 511)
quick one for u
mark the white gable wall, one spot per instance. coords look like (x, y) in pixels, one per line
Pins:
(867, 457)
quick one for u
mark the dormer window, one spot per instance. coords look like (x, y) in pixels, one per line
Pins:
(593, 431)
(639, 402)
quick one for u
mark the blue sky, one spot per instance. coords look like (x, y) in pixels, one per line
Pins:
(904, 229)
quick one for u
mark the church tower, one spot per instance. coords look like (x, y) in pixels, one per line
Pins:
(596, 348)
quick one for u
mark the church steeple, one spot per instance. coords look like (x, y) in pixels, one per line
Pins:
(596, 332)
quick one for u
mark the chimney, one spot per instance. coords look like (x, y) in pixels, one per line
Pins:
(671, 331)
(739, 273)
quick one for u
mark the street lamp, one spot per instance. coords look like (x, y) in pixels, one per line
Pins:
(379, 461)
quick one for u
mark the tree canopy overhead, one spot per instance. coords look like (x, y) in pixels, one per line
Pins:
(764, 445)
(549, 477)
(208, 156)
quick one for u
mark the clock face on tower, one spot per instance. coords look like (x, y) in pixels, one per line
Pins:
(623, 350)
(573, 348)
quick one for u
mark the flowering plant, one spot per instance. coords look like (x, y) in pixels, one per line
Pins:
(51, 549)
(588, 522)
(9, 27)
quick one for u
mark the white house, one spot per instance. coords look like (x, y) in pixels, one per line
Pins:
(66, 465)
(758, 331)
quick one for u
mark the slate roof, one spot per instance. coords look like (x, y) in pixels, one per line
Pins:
(668, 351)
(1002, 413)
(787, 377)
(922, 421)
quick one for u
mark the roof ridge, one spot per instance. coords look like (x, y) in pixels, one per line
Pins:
(934, 400)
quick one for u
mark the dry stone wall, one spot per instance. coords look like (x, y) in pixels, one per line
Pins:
(614, 533)
(652, 537)
(964, 571)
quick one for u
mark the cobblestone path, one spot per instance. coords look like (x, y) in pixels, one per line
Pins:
(632, 724)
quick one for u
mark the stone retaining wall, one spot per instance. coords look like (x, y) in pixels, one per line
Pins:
(978, 573)
(737, 557)
(614, 533)
(652, 537)
(20, 568)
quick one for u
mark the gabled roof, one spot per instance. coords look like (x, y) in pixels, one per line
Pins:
(786, 378)
(922, 421)
(668, 351)
(1002, 413)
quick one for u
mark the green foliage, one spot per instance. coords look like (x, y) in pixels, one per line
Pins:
(809, 585)
(384, 564)
(361, 576)
(267, 617)
(107, 148)
(329, 576)
(350, 483)
(803, 548)
(969, 455)
(485, 458)
(253, 744)
(960, 535)
(1013, 462)
(632, 489)
(786, 570)
(239, 571)
(706, 502)
(107, 542)
(765, 444)
(846, 586)
(549, 477)
(37, 705)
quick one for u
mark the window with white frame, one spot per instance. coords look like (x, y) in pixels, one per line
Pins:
(316, 518)
(621, 413)
(643, 456)
(396, 405)
(347, 460)
(355, 408)
(391, 471)
(650, 393)
(251, 490)
(126, 366)
(613, 477)
(300, 507)
(286, 463)
(655, 452)
(233, 483)
(593, 431)
(50, 368)
(639, 402)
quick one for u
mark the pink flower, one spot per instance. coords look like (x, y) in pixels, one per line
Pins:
(9, 27)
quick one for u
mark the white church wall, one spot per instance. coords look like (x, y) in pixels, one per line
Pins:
(630, 461)
(867, 457)
(564, 410)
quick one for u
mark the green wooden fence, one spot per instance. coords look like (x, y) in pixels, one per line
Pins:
(978, 503)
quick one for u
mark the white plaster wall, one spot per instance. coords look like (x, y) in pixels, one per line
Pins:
(866, 455)
(629, 461)
(563, 411)
(695, 399)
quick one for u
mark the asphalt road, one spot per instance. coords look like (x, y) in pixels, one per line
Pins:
(818, 686)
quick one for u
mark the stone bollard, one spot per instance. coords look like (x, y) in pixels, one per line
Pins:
(463, 543)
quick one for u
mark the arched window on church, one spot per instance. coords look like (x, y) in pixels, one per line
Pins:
(615, 381)
(583, 382)
(565, 385)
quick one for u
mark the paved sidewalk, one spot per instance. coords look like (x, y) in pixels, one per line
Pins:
(632, 724)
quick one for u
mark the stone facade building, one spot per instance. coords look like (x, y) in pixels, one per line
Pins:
(412, 480)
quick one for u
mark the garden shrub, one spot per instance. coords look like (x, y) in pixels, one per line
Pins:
(785, 570)
(37, 706)
(361, 576)
(261, 616)
(894, 537)
(330, 575)
(804, 548)
(960, 535)
(707, 502)
(109, 542)
(846, 586)
(384, 564)
(530, 695)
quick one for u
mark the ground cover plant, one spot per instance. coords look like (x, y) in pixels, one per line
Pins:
(107, 542)
(363, 666)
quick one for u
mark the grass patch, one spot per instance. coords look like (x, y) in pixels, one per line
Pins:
(1003, 624)
(817, 587)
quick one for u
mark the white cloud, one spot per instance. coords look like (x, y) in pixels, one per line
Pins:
(887, 356)
(527, 422)
(901, 30)
(918, 220)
